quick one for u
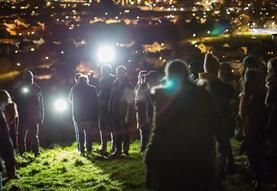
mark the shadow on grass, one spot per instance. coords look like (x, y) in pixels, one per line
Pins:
(128, 170)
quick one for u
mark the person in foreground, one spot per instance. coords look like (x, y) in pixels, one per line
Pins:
(181, 151)
(6, 145)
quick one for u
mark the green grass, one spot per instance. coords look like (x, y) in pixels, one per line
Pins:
(64, 169)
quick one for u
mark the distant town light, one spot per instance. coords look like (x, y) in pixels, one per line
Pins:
(32, 49)
(18, 64)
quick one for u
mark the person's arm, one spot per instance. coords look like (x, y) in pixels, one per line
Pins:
(70, 95)
(16, 117)
(96, 103)
(41, 108)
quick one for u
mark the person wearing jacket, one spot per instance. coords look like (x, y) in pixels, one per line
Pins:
(142, 101)
(11, 114)
(31, 112)
(271, 103)
(6, 146)
(223, 94)
(76, 81)
(181, 152)
(254, 115)
(85, 112)
(105, 88)
(120, 108)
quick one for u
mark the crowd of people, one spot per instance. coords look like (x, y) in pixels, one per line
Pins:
(185, 122)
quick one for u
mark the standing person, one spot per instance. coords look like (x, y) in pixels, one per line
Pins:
(11, 115)
(120, 107)
(223, 94)
(85, 112)
(6, 146)
(76, 80)
(142, 97)
(271, 103)
(105, 88)
(253, 114)
(181, 151)
(31, 112)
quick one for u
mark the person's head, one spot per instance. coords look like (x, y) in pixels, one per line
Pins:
(76, 77)
(28, 77)
(250, 62)
(253, 81)
(5, 98)
(272, 66)
(225, 70)
(142, 76)
(211, 64)
(153, 78)
(121, 72)
(195, 68)
(106, 70)
(177, 68)
(83, 79)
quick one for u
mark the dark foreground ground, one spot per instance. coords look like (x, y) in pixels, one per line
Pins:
(64, 169)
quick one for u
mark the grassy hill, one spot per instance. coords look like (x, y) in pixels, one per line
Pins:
(64, 169)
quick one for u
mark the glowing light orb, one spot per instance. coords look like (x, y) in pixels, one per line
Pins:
(106, 54)
(60, 105)
(25, 90)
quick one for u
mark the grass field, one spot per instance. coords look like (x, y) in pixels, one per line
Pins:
(64, 169)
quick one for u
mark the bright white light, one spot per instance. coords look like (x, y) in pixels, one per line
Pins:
(106, 54)
(60, 105)
(25, 90)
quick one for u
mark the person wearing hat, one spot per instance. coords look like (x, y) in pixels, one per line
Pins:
(31, 112)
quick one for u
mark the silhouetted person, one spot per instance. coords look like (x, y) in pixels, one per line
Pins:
(250, 62)
(31, 112)
(253, 114)
(76, 80)
(222, 94)
(85, 112)
(181, 151)
(120, 107)
(11, 115)
(105, 88)
(271, 102)
(142, 102)
(6, 146)
(226, 75)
